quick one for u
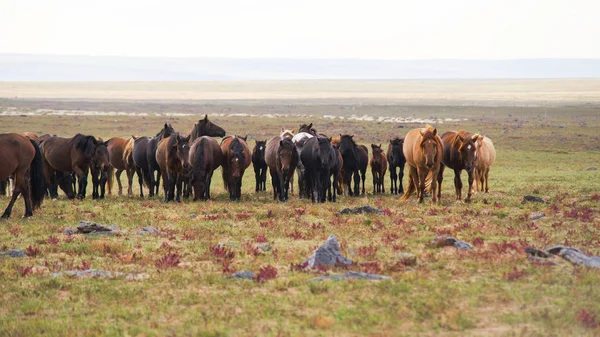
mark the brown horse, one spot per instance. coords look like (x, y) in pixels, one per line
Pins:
(69, 155)
(486, 155)
(281, 157)
(120, 152)
(363, 153)
(144, 157)
(100, 169)
(423, 151)
(236, 159)
(205, 157)
(204, 127)
(31, 136)
(459, 154)
(378, 165)
(172, 156)
(21, 158)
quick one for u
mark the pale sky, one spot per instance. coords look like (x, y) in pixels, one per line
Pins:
(392, 29)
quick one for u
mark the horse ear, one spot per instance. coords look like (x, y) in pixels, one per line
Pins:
(422, 133)
(166, 126)
(293, 130)
(310, 125)
(281, 142)
(330, 139)
(206, 118)
(106, 143)
(282, 129)
(435, 132)
(379, 145)
(187, 139)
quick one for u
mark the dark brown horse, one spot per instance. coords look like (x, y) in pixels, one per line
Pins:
(204, 127)
(172, 156)
(21, 158)
(308, 129)
(100, 169)
(423, 152)
(319, 159)
(236, 159)
(363, 153)
(205, 157)
(281, 157)
(120, 153)
(338, 175)
(459, 154)
(395, 158)
(144, 157)
(378, 165)
(351, 157)
(69, 155)
(260, 165)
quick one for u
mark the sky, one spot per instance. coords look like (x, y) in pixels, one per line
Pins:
(373, 29)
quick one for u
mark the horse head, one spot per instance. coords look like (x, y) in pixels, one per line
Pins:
(376, 149)
(287, 156)
(396, 152)
(467, 148)
(166, 131)
(181, 148)
(324, 151)
(286, 133)
(260, 148)
(204, 127)
(308, 129)
(101, 159)
(236, 158)
(429, 145)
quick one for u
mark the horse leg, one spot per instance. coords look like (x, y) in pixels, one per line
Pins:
(257, 178)
(95, 182)
(487, 172)
(103, 179)
(414, 180)
(118, 176)
(179, 180)
(274, 183)
(469, 191)
(357, 183)
(422, 175)
(208, 182)
(82, 180)
(281, 187)
(457, 184)
(375, 180)
(15, 194)
(166, 182)
(363, 178)
(26, 191)
(140, 174)
(291, 185)
(157, 181)
(382, 182)
(440, 178)
(3, 187)
(434, 200)
(400, 177)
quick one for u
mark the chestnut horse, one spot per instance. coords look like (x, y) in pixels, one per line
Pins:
(260, 165)
(281, 157)
(395, 158)
(236, 159)
(423, 151)
(204, 127)
(144, 157)
(205, 157)
(172, 156)
(486, 155)
(69, 155)
(21, 158)
(459, 154)
(100, 169)
(378, 165)
(120, 151)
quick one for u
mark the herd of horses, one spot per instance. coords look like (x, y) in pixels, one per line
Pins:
(325, 166)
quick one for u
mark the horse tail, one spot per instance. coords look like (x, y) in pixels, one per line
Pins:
(428, 182)
(110, 179)
(146, 175)
(409, 190)
(37, 180)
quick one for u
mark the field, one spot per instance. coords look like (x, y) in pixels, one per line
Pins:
(546, 136)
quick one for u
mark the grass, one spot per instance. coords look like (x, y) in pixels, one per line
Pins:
(493, 290)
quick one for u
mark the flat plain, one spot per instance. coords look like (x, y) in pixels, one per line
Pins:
(546, 136)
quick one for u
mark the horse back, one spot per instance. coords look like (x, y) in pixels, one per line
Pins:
(58, 151)
(15, 151)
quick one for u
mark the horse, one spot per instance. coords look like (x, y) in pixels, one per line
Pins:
(100, 169)
(282, 158)
(144, 157)
(31, 136)
(307, 129)
(363, 153)
(260, 165)
(204, 127)
(299, 140)
(236, 159)
(68, 155)
(172, 156)
(395, 158)
(286, 133)
(459, 154)
(120, 153)
(486, 155)
(319, 159)
(21, 158)
(423, 151)
(378, 165)
(351, 158)
(205, 157)
(336, 173)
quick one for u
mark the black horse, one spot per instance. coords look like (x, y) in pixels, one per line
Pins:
(352, 163)
(260, 165)
(395, 158)
(318, 157)
(336, 168)
(144, 157)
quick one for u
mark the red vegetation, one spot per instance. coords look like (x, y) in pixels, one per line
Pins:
(300, 211)
(221, 252)
(266, 273)
(243, 215)
(32, 251)
(53, 240)
(24, 271)
(298, 266)
(587, 318)
(296, 235)
(515, 274)
(260, 238)
(168, 261)
(478, 242)
(367, 251)
(372, 267)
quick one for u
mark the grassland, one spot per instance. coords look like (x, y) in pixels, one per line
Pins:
(543, 149)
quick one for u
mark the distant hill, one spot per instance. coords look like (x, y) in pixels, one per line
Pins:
(28, 67)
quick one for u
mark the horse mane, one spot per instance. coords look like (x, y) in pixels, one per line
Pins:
(237, 149)
(198, 168)
(85, 144)
(428, 134)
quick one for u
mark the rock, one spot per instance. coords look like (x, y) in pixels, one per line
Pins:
(229, 245)
(14, 253)
(591, 168)
(264, 247)
(244, 274)
(193, 215)
(149, 230)
(70, 231)
(362, 209)
(538, 216)
(442, 241)
(40, 270)
(407, 259)
(575, 256)
(137, 277)
(87, 227)
(99, 273)
(352, 275)
(327, 255)
(532, 198)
